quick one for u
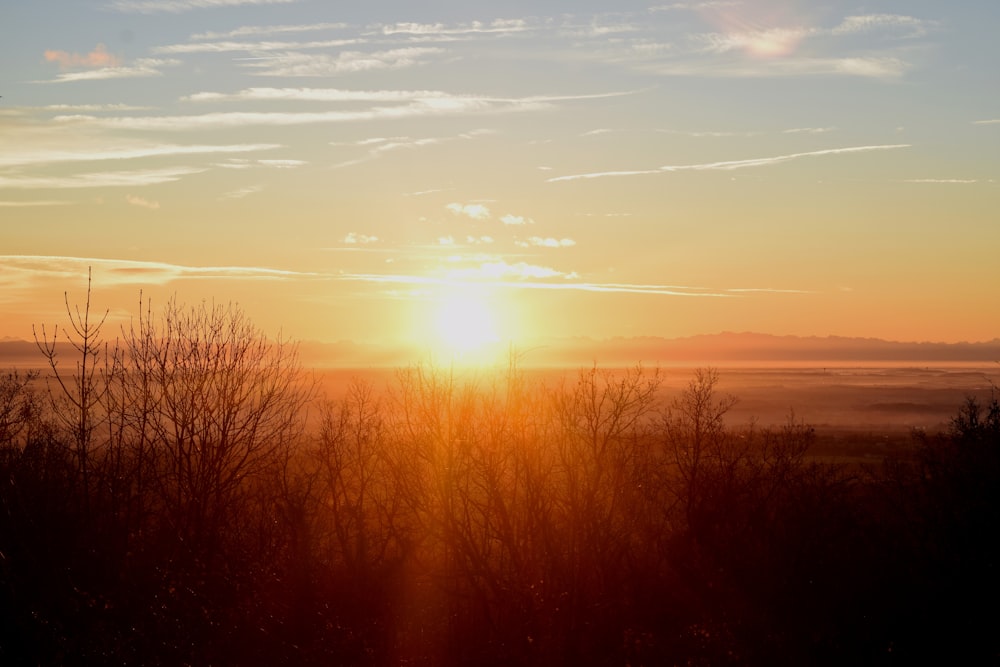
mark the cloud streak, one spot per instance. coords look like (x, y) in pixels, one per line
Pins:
(32, 204)
(122, 152)
(109, 179)
(141, 68)
(133, 272)
(250, 31)
(729, 165)
(179, 6)
(492, 276)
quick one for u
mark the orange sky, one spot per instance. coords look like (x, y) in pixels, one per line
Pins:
(591, 169)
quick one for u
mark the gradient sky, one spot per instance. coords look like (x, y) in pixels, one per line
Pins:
(341, 170)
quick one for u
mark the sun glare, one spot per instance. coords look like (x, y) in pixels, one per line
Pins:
(465, 325)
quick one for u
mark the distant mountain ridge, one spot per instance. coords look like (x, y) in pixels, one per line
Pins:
(724, 348)
(731, 347)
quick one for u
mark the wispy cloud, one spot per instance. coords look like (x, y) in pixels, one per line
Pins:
(870, 66)
(912, 27)
(526, 276)
(241, 192)
(31, 204)
(252, 31)
(63, 108)
(141, 68)
(131, 272)
(953, 181)
(695, 6)
(442, 30)
(539, 242)
(328, 95)
(99, 57)
(243, 163)
(123, 151)
(252, 47)
(415, 106)
(178, 6)
(209, 121)
(767, 42)
(142, 203)
(730, 165)
(292, 64)
(989, 121)
(500, 270)
(809, 130)
(109, 179)
(379, 146)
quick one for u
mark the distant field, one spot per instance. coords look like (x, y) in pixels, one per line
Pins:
(850, 407)
(837, 400)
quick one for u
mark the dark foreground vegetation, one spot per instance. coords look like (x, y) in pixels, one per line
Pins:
(177, 495)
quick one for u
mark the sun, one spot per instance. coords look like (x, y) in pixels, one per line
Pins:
(464, 325)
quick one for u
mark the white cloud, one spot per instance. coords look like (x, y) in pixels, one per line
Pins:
(362, 239)
(474, 211)
(516, 220)
(142, 203)
(537, 241)
(177, 6)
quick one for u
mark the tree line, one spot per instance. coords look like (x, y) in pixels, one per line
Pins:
(180, 493)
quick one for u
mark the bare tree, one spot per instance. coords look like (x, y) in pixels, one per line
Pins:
(77, 401)
(209, 401)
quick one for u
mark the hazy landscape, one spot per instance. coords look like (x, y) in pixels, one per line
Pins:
(624, 333)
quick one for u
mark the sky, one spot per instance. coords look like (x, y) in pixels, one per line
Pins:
(397, 172)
